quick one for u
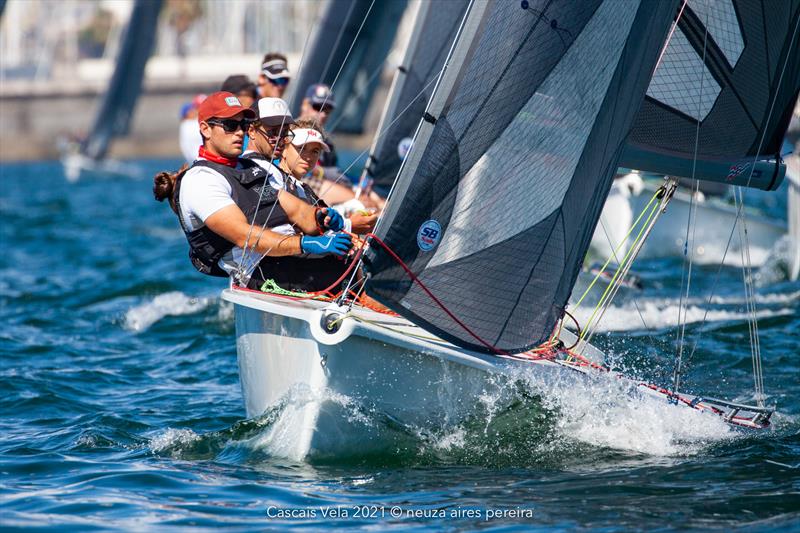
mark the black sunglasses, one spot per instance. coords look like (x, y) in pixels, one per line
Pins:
(319, 108)
(273, 134)
(230, 125)
(280, 82)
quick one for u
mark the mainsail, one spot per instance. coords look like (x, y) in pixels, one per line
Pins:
(434, 32)
(495, 205)
(722, 95)
(114, 116)
(364, 29)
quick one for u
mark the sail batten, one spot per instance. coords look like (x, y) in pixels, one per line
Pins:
(500, 194)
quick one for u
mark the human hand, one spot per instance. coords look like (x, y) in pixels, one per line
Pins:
(329, 218)
(336, 244)
(363, 221)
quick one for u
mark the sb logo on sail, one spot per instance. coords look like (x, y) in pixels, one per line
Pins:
(428, 236)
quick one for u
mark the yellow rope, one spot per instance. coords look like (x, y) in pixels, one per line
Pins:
(620, 268)
(619, 246)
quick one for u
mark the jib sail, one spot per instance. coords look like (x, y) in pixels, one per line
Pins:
(495, 205)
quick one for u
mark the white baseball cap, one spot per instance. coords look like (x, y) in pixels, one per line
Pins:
(274, 112)
(275, 69)
(303, 136)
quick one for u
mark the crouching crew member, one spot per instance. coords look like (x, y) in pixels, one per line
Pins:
(221, 194)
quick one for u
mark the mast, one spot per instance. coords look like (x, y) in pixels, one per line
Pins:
(114, 115)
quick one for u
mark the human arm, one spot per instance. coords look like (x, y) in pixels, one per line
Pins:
(308, 218)
(231, 224)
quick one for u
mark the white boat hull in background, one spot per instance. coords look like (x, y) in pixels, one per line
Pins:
(713, 227)
(320, 385)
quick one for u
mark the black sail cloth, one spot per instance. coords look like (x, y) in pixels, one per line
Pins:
(496, 204)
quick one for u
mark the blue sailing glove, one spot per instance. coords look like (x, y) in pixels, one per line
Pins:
(335, 222)
(336, 244)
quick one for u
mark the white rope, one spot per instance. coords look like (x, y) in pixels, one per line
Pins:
(690, 245)
(240, 274)
(749, 178)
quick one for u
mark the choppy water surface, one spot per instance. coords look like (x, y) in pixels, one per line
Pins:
(122, 408)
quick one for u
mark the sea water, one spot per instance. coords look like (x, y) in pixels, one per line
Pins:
(121, 406)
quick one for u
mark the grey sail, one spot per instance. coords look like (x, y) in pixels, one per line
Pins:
(727, 82)
(114, 116)
(434, 30)
(329, 46)
(495, 205)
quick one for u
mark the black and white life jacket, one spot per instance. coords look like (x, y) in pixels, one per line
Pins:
(206, 248)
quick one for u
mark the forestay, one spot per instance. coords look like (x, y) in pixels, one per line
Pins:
(435, 28)
(725, 87)
(496, 203)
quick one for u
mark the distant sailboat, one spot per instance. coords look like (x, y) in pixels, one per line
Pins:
(114, 115)
(483, 236)
(709, 113)
(375, 24)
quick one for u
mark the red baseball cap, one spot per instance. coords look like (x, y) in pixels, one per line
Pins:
(222, 104)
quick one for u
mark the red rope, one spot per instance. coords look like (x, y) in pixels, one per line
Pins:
(433, 297)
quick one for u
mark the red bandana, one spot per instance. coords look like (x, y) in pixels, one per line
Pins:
(205, 154)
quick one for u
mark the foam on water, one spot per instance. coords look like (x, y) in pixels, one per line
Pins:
(172, 438)
(610, 412)
(543, 419)
(174, 303)
(664, 314)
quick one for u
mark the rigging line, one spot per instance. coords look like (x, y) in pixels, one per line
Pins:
(749, 178)
(614, 253)
(669, 36)
(361, 92)
(341, 67)
(427, 107)
(352, 44)
(336, 43)
(246, 252)
(750, 330)
(747, 274)
(380, 134)
(591, 323)
(694, 201)
(386, 129)
(639, 243)
(604, 297)
(346, 57)
(438, 78)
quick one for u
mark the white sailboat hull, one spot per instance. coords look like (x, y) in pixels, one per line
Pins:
(284, 353)
(318, 384)
(714, 222)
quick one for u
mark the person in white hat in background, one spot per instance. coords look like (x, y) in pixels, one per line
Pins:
(274, 77)
(300, 157)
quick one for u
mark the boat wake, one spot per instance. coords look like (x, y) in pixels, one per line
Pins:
(660, 313)
(143, 316)
(542, 423)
